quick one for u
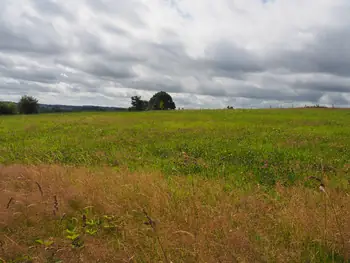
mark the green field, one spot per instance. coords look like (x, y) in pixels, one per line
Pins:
(214, 163)
(226, 144)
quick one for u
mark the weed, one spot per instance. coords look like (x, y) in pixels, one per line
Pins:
(328, 200)
(153, 225)
(45, 243)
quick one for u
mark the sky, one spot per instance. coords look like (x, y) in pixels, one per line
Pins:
(204, 53)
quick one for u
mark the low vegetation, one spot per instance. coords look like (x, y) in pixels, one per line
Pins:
(8, 108)
(176, 186)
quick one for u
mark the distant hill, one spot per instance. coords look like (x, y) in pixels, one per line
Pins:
(47, 108)
(69, 108)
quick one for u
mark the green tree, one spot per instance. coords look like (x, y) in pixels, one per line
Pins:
(161, 101)
(138, 104)
(7, 108)
(28, 105)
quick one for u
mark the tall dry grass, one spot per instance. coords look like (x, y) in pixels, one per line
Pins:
(158, 219)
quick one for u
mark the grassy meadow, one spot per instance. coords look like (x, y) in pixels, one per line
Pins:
(176, 186)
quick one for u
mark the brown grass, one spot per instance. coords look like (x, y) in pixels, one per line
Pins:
(195, 220)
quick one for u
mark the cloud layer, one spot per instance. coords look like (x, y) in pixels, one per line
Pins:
(207, 54)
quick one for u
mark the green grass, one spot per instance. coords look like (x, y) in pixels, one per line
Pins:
(223, 186)
(247, 146)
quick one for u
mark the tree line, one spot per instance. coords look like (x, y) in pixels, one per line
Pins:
(26, 105)
(30, 105)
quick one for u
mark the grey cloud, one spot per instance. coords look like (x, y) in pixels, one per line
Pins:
(316, 82)
(253, 92)
(27, 40)
(42, 76)
(226, 56)
(11, 41)
(89, 44)
(326, 86)
(6, 61)
(117, 30)
(338, 99)
(22, 87)
(333, 53)
(113, 71)
(188, 101)
(99, 67)
(52, 8)
(127, 10)
(328, 53)
(155, 85)
(176, 7)
(168, 58)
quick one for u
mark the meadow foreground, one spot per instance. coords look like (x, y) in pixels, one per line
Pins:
(182, 186)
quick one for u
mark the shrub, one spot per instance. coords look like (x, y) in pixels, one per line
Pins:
(28, 105)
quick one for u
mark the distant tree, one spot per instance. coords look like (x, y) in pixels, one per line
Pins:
(161, 101)
(28, 105)
(7, 108)
(138, 104)
(144, 105)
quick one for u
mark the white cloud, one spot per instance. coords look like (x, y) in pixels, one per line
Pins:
(206, 53)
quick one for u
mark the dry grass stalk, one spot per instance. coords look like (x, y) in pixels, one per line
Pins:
(55, 205)
(322, 188)
(9, 203)
(184, 232)
(40, 189)
(153, 225)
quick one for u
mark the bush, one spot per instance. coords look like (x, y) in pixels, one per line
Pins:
(7, 108)
(28, 105)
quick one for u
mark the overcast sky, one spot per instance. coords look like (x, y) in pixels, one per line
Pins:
(205, 53)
